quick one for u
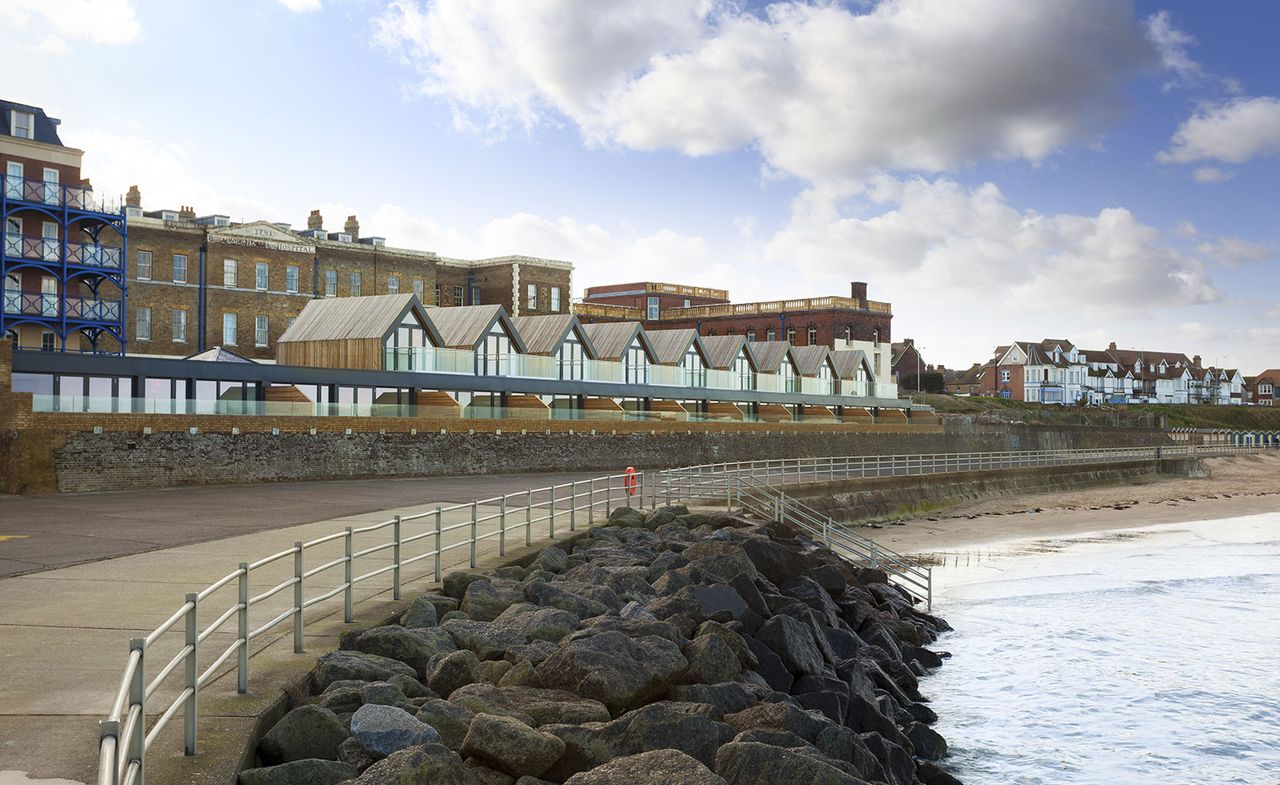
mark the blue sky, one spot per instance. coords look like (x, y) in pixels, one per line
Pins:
(999, 170)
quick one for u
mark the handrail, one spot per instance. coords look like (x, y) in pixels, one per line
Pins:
(756, 486)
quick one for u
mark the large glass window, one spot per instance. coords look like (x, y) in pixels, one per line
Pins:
(179, 268)
(23, 124)
(260, 276)
(419, 288)
(695, 374)
(491, 357)
(637, 364)
(229, 270)
(143, 266)
(48, 341)
(570, 359)
(142, 324)
(813, 336)
(229, 329)
(179, 326)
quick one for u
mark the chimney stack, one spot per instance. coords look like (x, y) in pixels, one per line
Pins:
(909, 342)
(315, 220)
(187, 213)
(352, 227)
(1111, 347)
(858, 290)
(1196, 361)
(133, 198)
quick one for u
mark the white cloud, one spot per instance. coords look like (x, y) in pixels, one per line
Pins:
(1231, 133)
(824, 91)
(1210, 174)
(1172, 44)
(1234, 251)
(95, 21)
(301, 6)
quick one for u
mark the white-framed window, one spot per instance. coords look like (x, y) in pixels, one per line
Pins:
(1004, 375)
(1264, 389)
(229, 270)
(751, 335)
(51, 189)
(330, 283)
(49, 250)
(555, 299)
(48, 341)
(652, 310)
(143, 265)
(770, 334)
(260, 331)
(813, 336)
(457, 295)
(13, 180)
(142, 324)
(179, 326)
(291, 279)
(531, 297)
(261, 274)
(22, 124)
(179, 268)
(229, 329)
(419, 288)
(355, 284)
(791, 336)
(393, 285)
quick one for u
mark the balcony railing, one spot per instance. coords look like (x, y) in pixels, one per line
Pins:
(816, 386)
(52, 194)
(606, 311)
(776, 306)
(48, 250)
(48, 305)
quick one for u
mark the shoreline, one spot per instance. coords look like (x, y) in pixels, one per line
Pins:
(1233, 487)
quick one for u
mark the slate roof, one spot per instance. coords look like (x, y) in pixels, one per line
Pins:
(46, 127)
(809, 359)
(669, 346)
(544, 334)
(722, 350)
(847, 362)
(611, 339)
(464, 326)
(769, 355)
(354, 318)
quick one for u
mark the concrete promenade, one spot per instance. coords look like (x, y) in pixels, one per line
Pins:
(65, 631)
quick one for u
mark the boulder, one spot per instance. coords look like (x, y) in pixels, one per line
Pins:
(522, 674)
(752, 763)
(552, 559)
(793, 642)
(627, 517)
(382, 693)
(309, 771)
(411, 687)
(511, 746)
(830, 577)
(771, 736)
(735, 641)
(489, 642)
(546, 706)
(779, 716)
(305, 732)
(452, 671)
(664, 561)
(631, 627)
(687, 727)
(671, 582)
(486, 600)
(659, 767)
(618, 671)
(456, 582)
(808, 591)
(492, 671)
(926, 742)
(717, 602)
(357, 666)
(928, 774)
(425, 611)
(720, 558)
(351, 752)
(383, 730)
(488, 699)
(413, 647)
(843, 744)
(899, 768)
(555, 595)
(711, 661)
(727, 698)
(535, 623)
(449, 719)
(771, 666)
(773, 560)
(433, 763)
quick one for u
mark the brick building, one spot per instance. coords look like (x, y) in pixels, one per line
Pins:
(814, 321)
(908, 364)
(197, 282)
(1263, 389)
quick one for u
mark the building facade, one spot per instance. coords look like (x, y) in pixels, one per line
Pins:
(62, 282)
(813, 321)
(1264, 388)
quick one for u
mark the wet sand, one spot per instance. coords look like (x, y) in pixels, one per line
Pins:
(1234, 487)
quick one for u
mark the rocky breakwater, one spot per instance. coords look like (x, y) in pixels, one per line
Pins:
(665, 648)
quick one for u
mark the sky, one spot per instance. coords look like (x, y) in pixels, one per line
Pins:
(998, 170)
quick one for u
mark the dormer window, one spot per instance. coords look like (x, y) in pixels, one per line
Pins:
(22, 124)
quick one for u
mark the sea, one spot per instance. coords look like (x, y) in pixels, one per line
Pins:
(1142, 657)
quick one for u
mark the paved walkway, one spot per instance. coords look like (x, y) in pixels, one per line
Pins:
(65, 631)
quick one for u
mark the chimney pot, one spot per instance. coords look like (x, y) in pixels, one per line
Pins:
(858, 290)
(187, 213)
(133, 198)
(315, 220)
(1196, 361)
(352, 227)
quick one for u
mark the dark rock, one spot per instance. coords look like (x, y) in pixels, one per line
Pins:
(930, 774)
(454, 615)
(632, 628)
(456, 582)
(381, 693)
(423, 612)
(486, 600)
(717, 602)
(773, 560)
(681, 726)
(843, 643)
(429, 763)
(771, 666)
(351, 752)
(720, 558)
(779, 716)
(808, 591)
(492, 671)
(536, 623)
(535, 652)
(627, 516)
(772, 736)
(671, 582)
(340, 700)
(845, 745)
(926, 741)
(522, 674)
(735, 641)
(749, 763)
(413, 647)
(925, 657)
(827, 703)
(711, 661)
(552, 559)
(899, 769)
(305, 732)
(921, 713)
(663, 562)
(358, 666)
(449, 719)
(864, 717)
(792, 641)
(383, 730)
(727, 698)
(750, 594)
(659, 767)
(618, 671)
(554, 595)
(489, 642)
(511, 746)
(830, 577)
(452, 671)
(411, 687)
(309, 771)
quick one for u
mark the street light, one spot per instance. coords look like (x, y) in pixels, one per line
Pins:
(917, 348)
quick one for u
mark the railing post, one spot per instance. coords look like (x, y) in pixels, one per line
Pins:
(297, 597)
(137, 740)
(502, 526)
(528, 517)
(395, 555)
(190, 712)
(439, 541)
(474, 505)
(591, 501)
(573, 505)
(873, 554)
(608, 497)
(348, 604)
(551, 518)
(929, 589)
(242, 629)
(110, 729)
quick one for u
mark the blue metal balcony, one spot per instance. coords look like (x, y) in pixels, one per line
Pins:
(57, 195)
(48, 250)
(52, 306)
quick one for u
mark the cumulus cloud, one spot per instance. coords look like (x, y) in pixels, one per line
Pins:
(58, 22)
(1234, 251)
(825, 92)
(1233, 132)
(1173, 45)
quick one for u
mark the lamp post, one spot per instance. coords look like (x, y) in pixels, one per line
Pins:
(917, 351)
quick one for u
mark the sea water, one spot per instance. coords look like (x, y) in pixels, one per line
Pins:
(1151, 657)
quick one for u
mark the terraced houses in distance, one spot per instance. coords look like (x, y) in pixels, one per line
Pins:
(1056, 371)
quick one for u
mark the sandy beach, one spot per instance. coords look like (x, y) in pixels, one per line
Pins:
(1235, 486)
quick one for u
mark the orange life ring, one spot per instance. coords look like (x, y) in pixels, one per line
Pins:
(629, 480)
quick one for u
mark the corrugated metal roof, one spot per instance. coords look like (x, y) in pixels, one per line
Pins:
(544, 334)
(465, 326)
(669, 346)
(847, 362)
(809, 358)
(722, 350)
(350, 318)
(769, 354)
(611, 339)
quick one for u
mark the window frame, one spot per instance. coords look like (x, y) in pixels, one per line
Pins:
(142, 316)
(183, 267)
(355, 283)
(178, 325)
(230, 320)
(555, 299)
(261, 276)
(531, 297)
(393, 284)
(330, 283)
(261, 331)
(230, 272)
(291, 274)
(138, 265)
(14, 114)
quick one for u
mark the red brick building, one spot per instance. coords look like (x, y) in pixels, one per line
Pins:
(1263, 389)
(812, 321)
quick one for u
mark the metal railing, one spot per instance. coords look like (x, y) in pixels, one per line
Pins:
(54, 194)
(405, 549)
